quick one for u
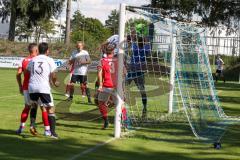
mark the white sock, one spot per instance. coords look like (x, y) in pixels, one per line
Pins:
(22, 125)
(47, 128)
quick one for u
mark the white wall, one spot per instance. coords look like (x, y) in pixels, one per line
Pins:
(4, 27)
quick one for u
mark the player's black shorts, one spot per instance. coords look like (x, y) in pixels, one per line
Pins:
(45, 99)
(79, 78)
(219, 71)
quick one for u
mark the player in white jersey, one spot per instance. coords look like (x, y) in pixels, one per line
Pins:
(80, 60)
(219, 71)
(42, 71)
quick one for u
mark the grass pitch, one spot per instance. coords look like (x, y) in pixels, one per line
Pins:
(79, 124)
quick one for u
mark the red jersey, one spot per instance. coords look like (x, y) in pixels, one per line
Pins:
(109, 70)
(26, 74)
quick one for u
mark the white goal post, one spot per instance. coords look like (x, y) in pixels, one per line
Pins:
(122, 19)
(120, 94)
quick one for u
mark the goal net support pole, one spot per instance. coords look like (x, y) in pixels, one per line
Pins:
(172, 72)
(117, 124)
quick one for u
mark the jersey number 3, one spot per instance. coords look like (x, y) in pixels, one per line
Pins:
(112, 67)
(39, 69)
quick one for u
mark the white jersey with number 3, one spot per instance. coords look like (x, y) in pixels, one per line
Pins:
(40, 69)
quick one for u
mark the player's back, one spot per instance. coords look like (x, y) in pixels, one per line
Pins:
(40, 69)
(109, 69)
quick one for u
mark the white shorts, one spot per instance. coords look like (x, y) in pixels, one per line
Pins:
(108, 94)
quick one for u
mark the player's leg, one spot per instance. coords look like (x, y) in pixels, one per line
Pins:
(33, 115)
(45, 120)
(82, 85)
(25, 112)
(48, 104)
(74, 79)
(217, 75)
(83, 82)
(96, 92)
(83, 89)
(67, 90)
(36, 98)
(125, 120)
(140, 83)
(124, 117)
(52, 120)
(102, 105)
(222, 75)
(24, 116)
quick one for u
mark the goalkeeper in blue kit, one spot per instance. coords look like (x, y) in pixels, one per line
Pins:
(137, 67)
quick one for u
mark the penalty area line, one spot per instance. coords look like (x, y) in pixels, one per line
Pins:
(92, 149)
(81, 154)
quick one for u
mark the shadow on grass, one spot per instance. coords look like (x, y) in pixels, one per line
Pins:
(228, 86)
(15, 147)
(93, 115)
(229, 99)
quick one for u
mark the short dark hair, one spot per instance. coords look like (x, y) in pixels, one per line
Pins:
(31, 46)
(43, 47)
(109, 48)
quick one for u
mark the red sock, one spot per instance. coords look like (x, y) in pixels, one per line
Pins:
(103, 109)
(83, 88)
(45, 118)
(24, 114)
(124, 114)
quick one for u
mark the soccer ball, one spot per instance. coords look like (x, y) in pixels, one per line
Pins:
(217, 145)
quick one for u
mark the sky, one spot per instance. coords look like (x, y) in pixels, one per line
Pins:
(99, 9)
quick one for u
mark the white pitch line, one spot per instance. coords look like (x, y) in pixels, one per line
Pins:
(91, 149)
(81, 154)
(100, 145)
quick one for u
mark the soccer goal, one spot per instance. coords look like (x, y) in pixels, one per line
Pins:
(168, 74)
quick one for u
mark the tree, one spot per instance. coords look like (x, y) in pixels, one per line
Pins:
(78, 21)
(91, 25)
(44, 27)
(212, 12)
(68, 19)
(4, 11)
(113, 21)
(32, 9)
(22, 30)
(91, 28)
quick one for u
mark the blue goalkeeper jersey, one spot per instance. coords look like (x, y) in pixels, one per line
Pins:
(138, 61)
